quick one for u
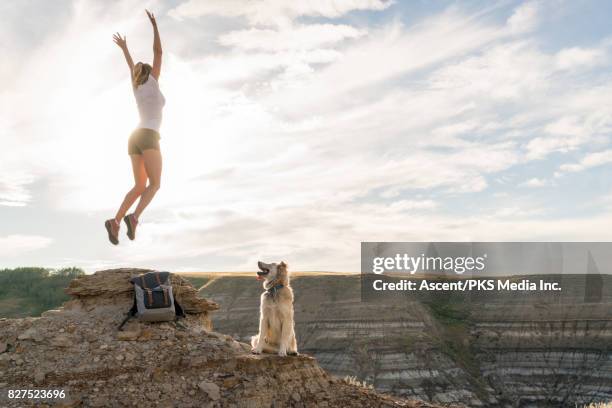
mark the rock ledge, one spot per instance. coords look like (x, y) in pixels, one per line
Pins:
(185, 364)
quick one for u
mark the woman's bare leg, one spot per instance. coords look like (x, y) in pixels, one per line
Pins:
(153, 166)
(140, 184)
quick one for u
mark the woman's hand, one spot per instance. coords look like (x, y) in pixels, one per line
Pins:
(157, 48)
(151, 18)
(121, 42)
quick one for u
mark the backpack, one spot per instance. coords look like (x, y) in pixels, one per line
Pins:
(153, 299)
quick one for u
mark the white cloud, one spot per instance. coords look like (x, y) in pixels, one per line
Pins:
(576, 57)
(535, 182)
(589, 161)
(14, 187)
(413, 205)
(16, 245)
(541, 146)
(525, 18)
(583, 120)
(274, 12)
(303, 37)
(514, 212)
(506, 71)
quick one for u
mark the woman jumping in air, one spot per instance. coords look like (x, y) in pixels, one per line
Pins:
(143, 145)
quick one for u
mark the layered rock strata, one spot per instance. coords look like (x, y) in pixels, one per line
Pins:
(494, 350)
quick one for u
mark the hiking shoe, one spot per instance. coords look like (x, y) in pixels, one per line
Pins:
(113, 231)
(132, 223)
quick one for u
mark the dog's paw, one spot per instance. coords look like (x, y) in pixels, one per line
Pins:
(255, 351)
(293, 353)
(282, 353)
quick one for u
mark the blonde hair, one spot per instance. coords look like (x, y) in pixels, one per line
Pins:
(140, 74)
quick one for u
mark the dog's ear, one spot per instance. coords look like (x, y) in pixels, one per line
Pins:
(282, 273)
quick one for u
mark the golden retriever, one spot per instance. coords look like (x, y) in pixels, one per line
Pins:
(276, 325)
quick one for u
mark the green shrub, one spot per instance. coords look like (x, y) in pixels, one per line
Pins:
(30, 291)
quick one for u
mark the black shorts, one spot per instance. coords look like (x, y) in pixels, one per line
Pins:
(143, 139)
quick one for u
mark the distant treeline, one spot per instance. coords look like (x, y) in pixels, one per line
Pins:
(31, 291)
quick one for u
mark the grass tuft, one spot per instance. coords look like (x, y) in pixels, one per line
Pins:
(352, 380)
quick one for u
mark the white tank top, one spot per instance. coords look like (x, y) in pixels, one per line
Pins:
(150, 102)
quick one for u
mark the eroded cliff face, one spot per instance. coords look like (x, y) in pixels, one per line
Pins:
(78, 348)
(517, 349)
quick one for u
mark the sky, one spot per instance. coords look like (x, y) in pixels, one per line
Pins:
(295, 130)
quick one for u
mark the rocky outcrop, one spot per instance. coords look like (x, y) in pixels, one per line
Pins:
(495, 350)
(175, 364)
(114, 285)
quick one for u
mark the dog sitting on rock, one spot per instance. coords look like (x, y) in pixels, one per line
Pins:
(276, 324)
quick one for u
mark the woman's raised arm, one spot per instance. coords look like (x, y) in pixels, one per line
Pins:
(122, 43)
(157, 48)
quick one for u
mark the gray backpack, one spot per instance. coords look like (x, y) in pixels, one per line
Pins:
(153, 299)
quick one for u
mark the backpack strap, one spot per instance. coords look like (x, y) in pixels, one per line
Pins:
(157, 278)
(165, 291)
(150, 297)
(178, 309)
(132, 312)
